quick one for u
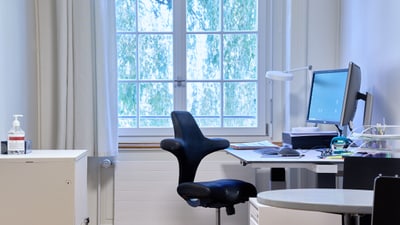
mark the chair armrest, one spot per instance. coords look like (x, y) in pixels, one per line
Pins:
(172, 145)
(218, 143)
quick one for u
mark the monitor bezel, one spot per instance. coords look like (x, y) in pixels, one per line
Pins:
(352, 93)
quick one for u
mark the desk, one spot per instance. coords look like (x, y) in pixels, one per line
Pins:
(326, 169)
(344, 201)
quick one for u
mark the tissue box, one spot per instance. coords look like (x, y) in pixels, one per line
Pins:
(28, 147)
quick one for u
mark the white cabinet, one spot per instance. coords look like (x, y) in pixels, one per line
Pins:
(266, 215)
(45, 187)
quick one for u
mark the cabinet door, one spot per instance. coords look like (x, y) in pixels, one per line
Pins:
(37, 192)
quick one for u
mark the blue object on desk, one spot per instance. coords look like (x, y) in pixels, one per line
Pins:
(340, 143)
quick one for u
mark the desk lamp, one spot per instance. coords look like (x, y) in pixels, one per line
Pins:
(286, 76)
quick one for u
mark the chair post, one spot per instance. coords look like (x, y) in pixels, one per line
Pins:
(218, 215)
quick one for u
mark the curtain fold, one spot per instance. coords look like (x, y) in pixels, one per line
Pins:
(77, 76)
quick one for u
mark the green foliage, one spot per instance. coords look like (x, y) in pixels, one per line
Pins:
(126, 48)
(125, 15)
(240, 15)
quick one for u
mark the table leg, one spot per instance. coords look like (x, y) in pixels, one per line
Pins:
(270, 179)
(278, 178)
(326, 180)
(351, 219)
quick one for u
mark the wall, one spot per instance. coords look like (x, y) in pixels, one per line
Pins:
(17, 66)
(370, 37)
(313, 39)
(145, 189)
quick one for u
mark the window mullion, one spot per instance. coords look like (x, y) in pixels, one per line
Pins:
(179, 36)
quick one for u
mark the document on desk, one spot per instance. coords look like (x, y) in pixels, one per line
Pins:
(254, 145)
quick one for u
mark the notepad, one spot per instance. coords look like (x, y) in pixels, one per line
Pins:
(254, 145)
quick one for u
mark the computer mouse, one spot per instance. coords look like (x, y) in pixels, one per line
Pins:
(288, 151)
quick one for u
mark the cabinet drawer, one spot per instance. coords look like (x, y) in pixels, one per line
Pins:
(253, 211)
(267, 215)
(252, 222)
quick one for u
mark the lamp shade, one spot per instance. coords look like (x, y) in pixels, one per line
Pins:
(279, 75)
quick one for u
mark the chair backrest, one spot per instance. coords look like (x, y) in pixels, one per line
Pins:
(194, 145)
(360, 172)
(386, 201)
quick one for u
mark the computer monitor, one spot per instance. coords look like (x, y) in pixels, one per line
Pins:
(334, 97)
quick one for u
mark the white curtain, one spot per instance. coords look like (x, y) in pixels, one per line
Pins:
(77, 86)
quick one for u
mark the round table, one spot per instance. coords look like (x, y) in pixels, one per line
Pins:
(344, 201)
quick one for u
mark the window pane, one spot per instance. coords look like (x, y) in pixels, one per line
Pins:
(240, 15)
(155, 61)
(127, 104)
(203, 15)
(125, 15)
(204, 99)
(203, 57)
(155, 16)
(156, 104)
(126, 48)
(240, 56)
(240, 108)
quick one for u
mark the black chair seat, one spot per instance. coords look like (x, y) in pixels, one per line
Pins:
(216, 194)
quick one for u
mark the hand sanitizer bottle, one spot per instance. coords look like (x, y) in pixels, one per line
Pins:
(16, 138)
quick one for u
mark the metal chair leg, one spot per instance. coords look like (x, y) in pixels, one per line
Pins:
(218, 214)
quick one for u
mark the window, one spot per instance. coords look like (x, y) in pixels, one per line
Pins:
(204, 56)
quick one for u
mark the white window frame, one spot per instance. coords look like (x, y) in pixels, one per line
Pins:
(145, 135)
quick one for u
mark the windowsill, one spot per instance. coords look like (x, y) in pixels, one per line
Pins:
(141, 146)
(150, 143)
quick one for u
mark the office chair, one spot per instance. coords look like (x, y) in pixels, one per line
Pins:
(190, 146)
(360, 173)
(386, 204)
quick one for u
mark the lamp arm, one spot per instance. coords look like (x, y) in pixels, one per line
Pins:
(309, 67)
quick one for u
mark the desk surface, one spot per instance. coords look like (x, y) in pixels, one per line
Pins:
(306, 156)
(346, 201)
(309, 159)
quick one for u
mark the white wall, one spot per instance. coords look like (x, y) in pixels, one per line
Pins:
(370, 37)
(17, 66)
(145, 189)
(315, 41)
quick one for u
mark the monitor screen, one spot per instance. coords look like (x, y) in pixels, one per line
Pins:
(334, 97)
(327, 96)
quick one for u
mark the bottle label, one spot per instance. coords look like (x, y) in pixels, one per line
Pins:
(16, 143)
(19, 138)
